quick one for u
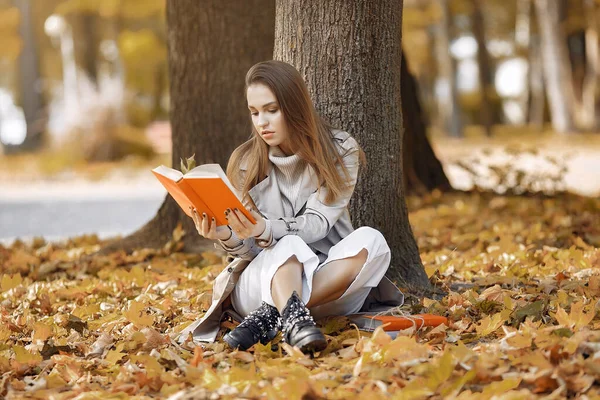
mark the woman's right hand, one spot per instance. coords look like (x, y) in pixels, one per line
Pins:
(210, 230)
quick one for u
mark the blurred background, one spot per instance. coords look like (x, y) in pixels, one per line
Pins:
(509, 89)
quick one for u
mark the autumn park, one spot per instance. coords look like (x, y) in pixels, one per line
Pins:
(463, 263)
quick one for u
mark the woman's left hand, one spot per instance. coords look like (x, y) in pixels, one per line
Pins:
(242, 227)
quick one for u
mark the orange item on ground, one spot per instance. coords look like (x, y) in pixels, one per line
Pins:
(369, 322)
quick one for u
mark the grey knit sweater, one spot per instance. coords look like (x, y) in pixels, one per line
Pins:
(289, 171)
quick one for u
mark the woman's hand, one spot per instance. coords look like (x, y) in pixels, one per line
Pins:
(210, 231)
(242, 227)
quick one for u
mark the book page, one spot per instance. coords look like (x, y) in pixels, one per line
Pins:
(212, 171)
(167, 172)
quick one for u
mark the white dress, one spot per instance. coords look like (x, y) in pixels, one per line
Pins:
(254, 284)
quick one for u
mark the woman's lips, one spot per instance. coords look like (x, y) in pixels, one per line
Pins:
(267, 134)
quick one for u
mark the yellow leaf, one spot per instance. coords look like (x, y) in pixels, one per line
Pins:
(577, 319)
(452, 388)
(4, 334)
(137, 315)
(441, 372)
(4, 364)
(10, 281)
(520, 340)
(404, 349)
(54, 380)
(41, 331)
(500, 387)
(210, 380)
(151, 364)
(490, 324)
(138, 275)
(113, 356)
(86, 311)
(22, 356)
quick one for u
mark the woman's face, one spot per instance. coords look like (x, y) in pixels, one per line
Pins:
(267, 117)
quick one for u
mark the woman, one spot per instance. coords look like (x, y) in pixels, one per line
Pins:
(302, 258)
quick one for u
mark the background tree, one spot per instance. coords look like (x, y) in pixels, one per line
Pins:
(556, 67)
(349, 53)
(29, 77)
(421, 169)
(483, 61)
(211, 46)
(448, 105)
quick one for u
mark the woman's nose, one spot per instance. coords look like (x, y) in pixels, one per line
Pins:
(262, 121)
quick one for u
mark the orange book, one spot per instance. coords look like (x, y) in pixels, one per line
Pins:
(368, 322)
(205, 187)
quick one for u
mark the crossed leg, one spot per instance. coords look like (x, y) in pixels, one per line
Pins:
(329, 283)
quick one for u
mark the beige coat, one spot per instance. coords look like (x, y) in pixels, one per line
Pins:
(330, 224)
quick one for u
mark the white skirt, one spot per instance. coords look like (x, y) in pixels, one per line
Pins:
(254, 284)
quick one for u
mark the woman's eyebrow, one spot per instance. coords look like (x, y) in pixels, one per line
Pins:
(266, 105)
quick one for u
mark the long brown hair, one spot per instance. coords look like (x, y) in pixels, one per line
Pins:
(310, 135)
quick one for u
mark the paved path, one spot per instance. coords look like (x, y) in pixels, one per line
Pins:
(59, 210)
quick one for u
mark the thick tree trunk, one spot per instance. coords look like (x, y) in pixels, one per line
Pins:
(556, 66)
(421, 169)
(448, 106)
(349, 53)
(211, 46)
(483, 63)
(29, 76)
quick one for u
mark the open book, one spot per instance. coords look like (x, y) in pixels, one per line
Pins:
(205, 187)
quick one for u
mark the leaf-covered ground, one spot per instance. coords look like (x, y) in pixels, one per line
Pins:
(523, 282)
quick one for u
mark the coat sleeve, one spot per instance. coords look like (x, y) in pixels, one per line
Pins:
(246, 249)
(319, 217)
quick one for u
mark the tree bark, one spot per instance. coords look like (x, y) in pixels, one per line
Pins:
(90, 50)
(483, 63)
(448, 106)
(211, 46)
(523, 46)
(29, 76)
(421, 169)
(590, 80)
(556, 66)
(349, 53)
(535, 77)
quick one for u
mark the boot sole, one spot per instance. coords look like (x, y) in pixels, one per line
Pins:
(235, 344)
(312, 343)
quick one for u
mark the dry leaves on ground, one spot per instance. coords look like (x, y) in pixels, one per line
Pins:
(523, 281)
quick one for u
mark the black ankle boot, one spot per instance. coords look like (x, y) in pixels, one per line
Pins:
(299, 328)
(261, 325)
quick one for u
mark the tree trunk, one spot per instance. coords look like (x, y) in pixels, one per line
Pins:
(556, 66)
(422, 170)
(29, 76)
(448, 106)
(523, 42)
(590, 80)
(349, 53)
(90, 50)
(537, 101)
(483, 63)
(211, 46)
